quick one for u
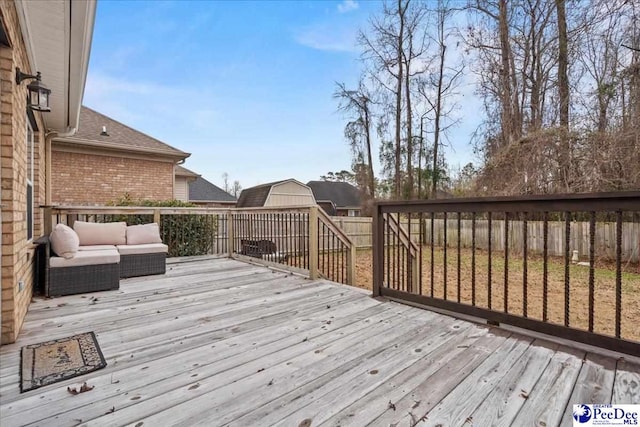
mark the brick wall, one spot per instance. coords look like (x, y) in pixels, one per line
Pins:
(87, 179)
(17, 252)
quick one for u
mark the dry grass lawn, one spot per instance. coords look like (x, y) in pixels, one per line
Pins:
(604, 287)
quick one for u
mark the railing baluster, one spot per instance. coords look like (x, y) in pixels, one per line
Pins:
(410, 283)
(567, 242)
(458, 266)
(618, 271)
(473, 258)
(388, 247)
(506, 262)
(396, 246)
(525, 244)
(592, 258)
(419, 255)
(433, 220)
(489, 260)
(444, 257)
(545, 266)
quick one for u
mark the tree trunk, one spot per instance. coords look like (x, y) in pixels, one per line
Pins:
(409, 129)
(563, 62)
(563, 92)
(400, 77)
(507, 116)
(438, 113)
(372, 188)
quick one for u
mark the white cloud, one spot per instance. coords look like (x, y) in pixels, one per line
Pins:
(328, 37)
(347, 6)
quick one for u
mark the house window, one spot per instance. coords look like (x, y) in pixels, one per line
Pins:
(354, 212)
(29, 181)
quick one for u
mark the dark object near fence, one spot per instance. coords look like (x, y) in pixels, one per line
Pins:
(263, 249)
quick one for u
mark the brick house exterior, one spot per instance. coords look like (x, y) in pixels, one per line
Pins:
(25, 134)
(106, 159)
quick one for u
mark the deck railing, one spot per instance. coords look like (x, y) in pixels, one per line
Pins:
(301, 239)
(595, 301)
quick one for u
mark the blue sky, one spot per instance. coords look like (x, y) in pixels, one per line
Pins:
(246, 87)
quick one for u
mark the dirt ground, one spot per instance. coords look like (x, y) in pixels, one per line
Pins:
(604, 287)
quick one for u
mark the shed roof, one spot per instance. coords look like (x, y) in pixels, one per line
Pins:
(118, 136)
(255, 197)
(202, 190)
(342, 194)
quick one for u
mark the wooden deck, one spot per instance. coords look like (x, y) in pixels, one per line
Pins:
(220, 342)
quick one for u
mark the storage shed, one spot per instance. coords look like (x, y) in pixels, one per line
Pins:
(288, 192)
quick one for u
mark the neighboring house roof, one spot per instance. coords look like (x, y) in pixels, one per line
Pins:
(202, 190)
(256, 196)
(118, 137)
(182, 171)
(342, 194)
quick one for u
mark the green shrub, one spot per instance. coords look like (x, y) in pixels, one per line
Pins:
(185, 234)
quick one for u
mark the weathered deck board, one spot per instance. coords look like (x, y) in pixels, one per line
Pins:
(220, 342)
(504, 402)
(626, 388)
(548, 399)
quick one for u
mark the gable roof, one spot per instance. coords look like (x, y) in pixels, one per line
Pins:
(342, 194)
(255, 197)
(120, 137)
(202, 190)
(182, 171)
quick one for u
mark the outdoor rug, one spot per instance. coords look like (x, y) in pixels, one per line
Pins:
(52, 361)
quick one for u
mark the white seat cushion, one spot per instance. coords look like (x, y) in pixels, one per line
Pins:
(143, 234)
(110, 256)
(64, 241)
(150, 248)
(96, 247)
(94, 233)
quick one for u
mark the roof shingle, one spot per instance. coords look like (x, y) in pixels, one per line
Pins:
(202, 190)
(118, 135)
(255, 197)
(342, 194)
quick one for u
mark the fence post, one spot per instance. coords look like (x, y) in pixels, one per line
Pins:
(378, 250)
(156, 216)
(230, 233)
(313, 242)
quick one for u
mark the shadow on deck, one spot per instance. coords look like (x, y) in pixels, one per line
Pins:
(216, 342)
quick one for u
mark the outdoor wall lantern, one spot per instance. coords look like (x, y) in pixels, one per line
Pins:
(38, 95)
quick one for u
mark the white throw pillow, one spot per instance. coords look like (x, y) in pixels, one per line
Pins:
(94, 233)
(143, 234)
(64, 241)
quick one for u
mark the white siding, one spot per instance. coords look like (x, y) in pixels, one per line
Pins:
(181, 189)
(290, 194)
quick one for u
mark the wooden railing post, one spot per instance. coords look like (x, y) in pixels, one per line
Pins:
(48, 220)
(156, 216)
(351, 265)
(230, 233)
(313, 242)
(378, 250)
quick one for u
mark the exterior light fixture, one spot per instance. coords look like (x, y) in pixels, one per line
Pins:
(38, 93)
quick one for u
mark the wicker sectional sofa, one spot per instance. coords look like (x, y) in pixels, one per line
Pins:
(105, 253)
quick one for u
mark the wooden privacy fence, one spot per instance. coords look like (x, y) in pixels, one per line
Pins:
(542, 293)
(299, 239)
(360, 232)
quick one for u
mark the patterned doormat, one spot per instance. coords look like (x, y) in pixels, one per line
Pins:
(52, 361)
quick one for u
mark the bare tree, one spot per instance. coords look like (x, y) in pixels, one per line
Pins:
(358, 103)
(225, 182)
(236, 189)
